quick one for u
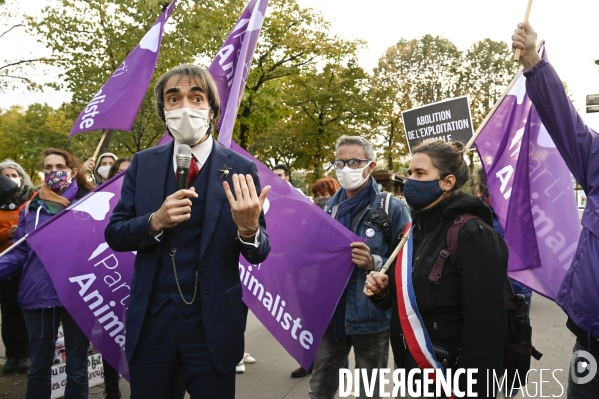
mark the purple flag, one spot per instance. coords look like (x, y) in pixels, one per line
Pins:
(116, 104)
(92, 281)
(294, 292)
(231, 66)
(531, 190)
(306, 272)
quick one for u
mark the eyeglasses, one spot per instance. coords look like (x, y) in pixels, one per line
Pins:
(353, 163)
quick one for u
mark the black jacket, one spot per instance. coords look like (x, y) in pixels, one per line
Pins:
(465, 313)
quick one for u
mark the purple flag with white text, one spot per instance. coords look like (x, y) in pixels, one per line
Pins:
(116, 104)
(92, 281)
(308, 268)
(294, 293)
(531, 190)
(231, 66)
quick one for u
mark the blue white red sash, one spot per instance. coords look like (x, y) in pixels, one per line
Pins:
(415, 334)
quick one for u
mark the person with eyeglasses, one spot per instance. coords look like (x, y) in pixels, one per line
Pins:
(356, 322)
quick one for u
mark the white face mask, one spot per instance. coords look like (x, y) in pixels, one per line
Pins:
(188, 125)
(16, 180)
(351, 179)
(103, 171)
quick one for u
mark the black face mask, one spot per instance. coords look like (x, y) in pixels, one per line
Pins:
(321, 202)
(420, 194)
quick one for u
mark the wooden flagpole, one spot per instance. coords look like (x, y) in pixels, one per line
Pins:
(100, 143)
(490, 113)
(526, 16)
(385, 267)
(403, 241)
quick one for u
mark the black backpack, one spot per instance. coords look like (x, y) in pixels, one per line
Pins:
(519, 348)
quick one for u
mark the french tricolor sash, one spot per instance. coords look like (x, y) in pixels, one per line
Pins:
(415, 334)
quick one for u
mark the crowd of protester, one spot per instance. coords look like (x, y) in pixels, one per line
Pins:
(464, 314)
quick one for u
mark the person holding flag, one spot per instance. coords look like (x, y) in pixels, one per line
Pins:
(361, 207)
(579, 146)
(185, 306)
(42, 308)
(460, 315)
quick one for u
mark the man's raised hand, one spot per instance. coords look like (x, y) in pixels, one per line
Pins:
(246, 205)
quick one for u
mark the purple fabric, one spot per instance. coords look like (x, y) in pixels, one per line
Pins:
(231, 66)
(308, 267)
(293, 293)
(36, 290)
(531, 190)
(115, 106)
(92, 281)
(579, 146)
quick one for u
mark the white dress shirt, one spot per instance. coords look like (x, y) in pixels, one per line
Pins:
(201, 152)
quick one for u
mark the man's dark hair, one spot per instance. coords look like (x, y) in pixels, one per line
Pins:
(282, 167)
(201, 77)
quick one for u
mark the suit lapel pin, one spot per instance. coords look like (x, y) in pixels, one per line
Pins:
(224, 171)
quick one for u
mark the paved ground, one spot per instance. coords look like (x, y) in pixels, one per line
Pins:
(269, 377)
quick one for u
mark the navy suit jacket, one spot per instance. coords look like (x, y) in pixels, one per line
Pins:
(143, 192)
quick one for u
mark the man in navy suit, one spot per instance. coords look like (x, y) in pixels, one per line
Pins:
(185, 310)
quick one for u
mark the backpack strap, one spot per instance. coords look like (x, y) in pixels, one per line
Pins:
(452, 247)
(380, 217)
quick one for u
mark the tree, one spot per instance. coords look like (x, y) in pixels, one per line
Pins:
(16, 72)
(293, 40)
(332, 104)
(89, 41)
(487, 69)
(25, 133)
(410, 74)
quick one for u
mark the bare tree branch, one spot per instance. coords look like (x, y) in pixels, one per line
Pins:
(11, 28)
(21, 62)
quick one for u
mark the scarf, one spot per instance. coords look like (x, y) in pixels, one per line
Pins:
(54, 203)
(347, 210)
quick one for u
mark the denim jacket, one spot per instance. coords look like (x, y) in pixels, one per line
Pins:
(361, 316)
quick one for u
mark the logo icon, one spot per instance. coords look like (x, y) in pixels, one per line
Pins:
(583, 367)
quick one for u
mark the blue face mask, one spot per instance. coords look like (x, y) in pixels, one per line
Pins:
(420, 194)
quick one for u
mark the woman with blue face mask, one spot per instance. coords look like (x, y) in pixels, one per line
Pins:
(463, 312)
(37, 296)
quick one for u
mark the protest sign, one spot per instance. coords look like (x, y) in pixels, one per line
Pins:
(95, 367)
(447, 120)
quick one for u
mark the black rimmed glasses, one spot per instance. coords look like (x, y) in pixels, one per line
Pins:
(353, 163)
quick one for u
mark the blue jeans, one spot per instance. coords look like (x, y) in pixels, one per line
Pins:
(371, 350)
(590, 390)
(42, 326)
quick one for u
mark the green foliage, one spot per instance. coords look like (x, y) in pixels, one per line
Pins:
(304, 90)
(325, 104)
(25, 133)
(90, 39)
(487, 69)
(410, 74)
(430, 69)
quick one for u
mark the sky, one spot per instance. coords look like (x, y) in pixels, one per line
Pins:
(570, 29)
